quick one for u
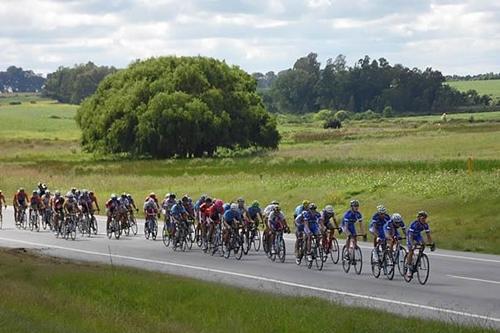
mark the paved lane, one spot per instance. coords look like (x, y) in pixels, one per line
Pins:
(462, 286)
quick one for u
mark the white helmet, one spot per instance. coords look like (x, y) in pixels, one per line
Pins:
(381, 209)
(396, 218)
(234, 206)
(329, 209)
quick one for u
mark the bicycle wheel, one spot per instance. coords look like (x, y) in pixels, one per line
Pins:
(37, 223)
(94, 225)
(32, 222)
(358, 260)
(72, 231)
(388, 264)
(265, 246)
(1, 221)
(117, 230)
(335, 251)
(109, 230)
(133, 225)
(407, 277)
(246, 242)
(256, 240)
(423, 269)
(272, 250)
(226, 248)
(146, 230)
(238, 247)
(375, 262)
(281, 250)
(165, 236)
(126, 229)
(318, 254)
(198, 235)
(154, 232)
(400, 260)
(44, 221)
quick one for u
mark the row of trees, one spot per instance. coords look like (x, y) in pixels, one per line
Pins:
(73, 85)
(368, 85)
(485, 76)
(15, 79)
(176, 106)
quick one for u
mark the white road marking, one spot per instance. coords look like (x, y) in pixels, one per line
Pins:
(260, 278)
(472, 279)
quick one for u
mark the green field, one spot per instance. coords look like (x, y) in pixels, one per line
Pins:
(51, 295)
(483, 87)
(408, 164)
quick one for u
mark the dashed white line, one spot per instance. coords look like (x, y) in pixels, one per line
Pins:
(264, 279)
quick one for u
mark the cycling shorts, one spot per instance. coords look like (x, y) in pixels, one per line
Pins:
(349, 229)
(414, 239)
(379, 230)
(312, 229)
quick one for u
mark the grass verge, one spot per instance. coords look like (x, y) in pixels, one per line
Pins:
(49, 295)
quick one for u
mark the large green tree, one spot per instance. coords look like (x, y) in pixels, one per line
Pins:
(73, 85)
(176, 106)
(15, 79)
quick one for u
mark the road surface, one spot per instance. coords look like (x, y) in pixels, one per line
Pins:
(463, 287)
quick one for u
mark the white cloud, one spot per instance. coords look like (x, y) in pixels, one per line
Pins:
(255, 34)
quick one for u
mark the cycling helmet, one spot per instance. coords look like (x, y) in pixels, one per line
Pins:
(381, 209)
(0, 191)
(312, 206)
(276, 208)
(85, 191)
(396, 218)
(21, 189)
(57, 193)
(208, 200)
(305, 203)
(422, 213)
(241, 200)
(70, 195)
(354, 203)
(274, 202)
(73, 189)
(185, 198)
(44, 186)
(179, 202)
(171, 195)
(226, 207)
(46, 192)
(35, 192)
(152, 195)
(39, 184)
(78, 192)
(124, 195)
(113, 196)
(218, 203)
(129, 196)
(167, 195)
(255, 204)
(329, 209)
(234, 206)
(91, 192)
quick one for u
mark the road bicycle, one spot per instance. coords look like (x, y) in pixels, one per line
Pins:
(34, 220)
(47, 219)
(317, 255)
(352, 257)
(150, 226)
(399, 254)
(381, 259)
(68, 228)
(114, 228)
(234, 244)
(420, 264)
(330, 246)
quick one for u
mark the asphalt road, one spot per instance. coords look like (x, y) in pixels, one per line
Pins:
(463, 287)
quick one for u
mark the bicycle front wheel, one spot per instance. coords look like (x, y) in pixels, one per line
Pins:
(375, 263)
(318, 254)
(388, 264)
(335, 251)
(358, 260)
(346, 261)
(256, 240)
(423, 269)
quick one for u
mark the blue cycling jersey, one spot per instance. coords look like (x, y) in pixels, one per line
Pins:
(177, 210)
(299, 209)
(392, 225)
(253, 212)
(231, 215)
(350, 217)
(416, 227)
(379, 220)
(311, 217)
(198, 203)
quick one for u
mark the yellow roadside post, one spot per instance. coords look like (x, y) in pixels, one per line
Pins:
(470, 165)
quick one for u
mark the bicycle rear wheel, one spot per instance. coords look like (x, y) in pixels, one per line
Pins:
(72, 231)
(318, 254)
(358, 260)
(256, 240)
(238, 247)
(399, 259)
(388, 264)
(281, 250)
(165, 236)
(375, 263)
(423, 269)
(335, 251)
(346, 261)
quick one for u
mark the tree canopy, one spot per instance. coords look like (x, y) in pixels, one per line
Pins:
(368, 85)
(73, 85)
(15, 79)
(176, 106)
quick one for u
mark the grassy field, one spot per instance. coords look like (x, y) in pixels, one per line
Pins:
(51, 295)
(483, 87)
(408, 164)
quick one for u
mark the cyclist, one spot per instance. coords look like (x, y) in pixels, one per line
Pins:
(58, 207)
(255, 213)
(187, 203)
(41, 188)
(132, 204)
(391, 229)
(379, 219)
(326, 225)
(214, 216)
(46, 205)
(20, 201)
(197, 206)
(123, 209)
(267, 211)
(71, 207)
(167, 205)
(204, 215)
(300, 208)
(93, 199)
(2, 199)
(276, 222)
(232, 219)
(178, 215)
(150, 210)
(414, 237)
(348, 224)
(35, 202)
(85, 202)
(311, 220)
(111, 209)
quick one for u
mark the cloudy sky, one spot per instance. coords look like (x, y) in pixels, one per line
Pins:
(456, 37)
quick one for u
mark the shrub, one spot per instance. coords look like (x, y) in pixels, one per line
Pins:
(15, 103)
(388, 112)
(342, 115)
(324, 115)
(332, 123)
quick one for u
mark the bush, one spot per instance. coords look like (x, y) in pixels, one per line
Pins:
(343, 115)
(176, 106)
(367, 115)
(324, 115)
(332, 123)
(388, 112)
(15, 103)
